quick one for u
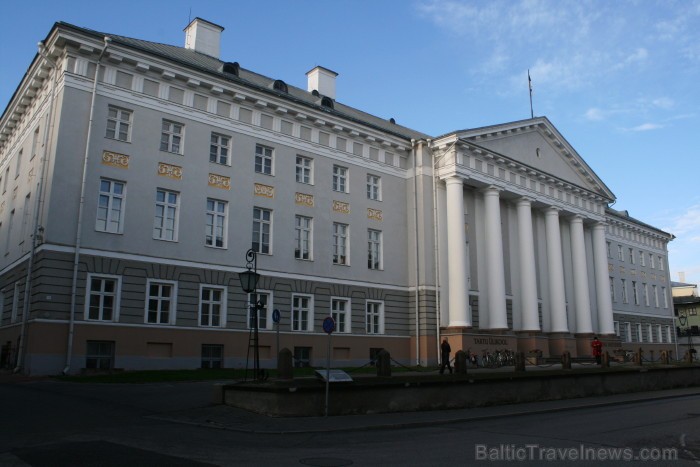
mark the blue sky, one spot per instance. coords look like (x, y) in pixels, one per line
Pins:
(620, 79)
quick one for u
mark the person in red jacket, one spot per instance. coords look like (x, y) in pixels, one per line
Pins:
(597, 347)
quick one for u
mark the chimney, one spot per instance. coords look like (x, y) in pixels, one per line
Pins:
(681, 277)
(204, 37)
(322, 80)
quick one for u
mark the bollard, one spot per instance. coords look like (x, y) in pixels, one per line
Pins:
(285, 364)
(566, 360)
(664, 357)
(605, 362)
(383, 363)
(520, 361)
(461, 359)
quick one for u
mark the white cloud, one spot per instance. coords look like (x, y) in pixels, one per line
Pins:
(686, 223)
(646, 127)
(595, 114)
(663, 103)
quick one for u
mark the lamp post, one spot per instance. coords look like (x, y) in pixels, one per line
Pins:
(683, 321)
(249, 283)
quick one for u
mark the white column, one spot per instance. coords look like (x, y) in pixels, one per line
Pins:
(495, 285)
(528, 274)
(555, 266)
(602, 281)
(457, 262)
(584, 323)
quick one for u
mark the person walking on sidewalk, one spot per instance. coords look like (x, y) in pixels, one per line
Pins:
(445, 356)
(597, 347)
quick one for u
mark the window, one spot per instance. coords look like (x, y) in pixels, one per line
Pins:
(374, 317)
(304, 170)
(200, 102)
(357, 149)
(219, 149)
(150, 87)
(656, 296)
(612, 288)
(624, 291)
(374, 188)
(303, 237)
(659, 334)
(669, 337)
(642, 262)
(223, 109)
(302, 357)
(341, 143)
(663, 292)
(161, 302)
(324, 138)
(340, 179)
(216, 223)
(634, 292)
(110, 206)
(631, 253)
(262, 230)
(118, 124)
(305, 133)
(102, 302)
(212, 308)
(620, 256)
(124, 80)
(374, 249)
(609, 253)
(646, 294)
(35, 143)
(263, 160)
(628, 333)
(266, 121)
(166, 218)
(340, 243)
(245, 115)
(661, 264)
(650, 333)
(99, 355)
(340, 311)
(264, 299)
(651, 261)
(302, 318)
(171, 137)
(639, 332)
(212, 356)
(616, 326)
(286, 127)
(19, 163)
(176, 95)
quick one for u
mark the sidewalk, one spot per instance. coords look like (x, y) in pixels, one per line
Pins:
(230, 418)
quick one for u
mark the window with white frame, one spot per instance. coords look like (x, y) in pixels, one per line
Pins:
(263, 159)
(215, 235)
(165, 222)
(638, 326)
(118, 124)
(212, 356)
(669, 336)
(374, 249)
(212, 306)
(616, 326)
(110, 206)
(612, 289)
(264, 299)
(624, 291)
(171, 137)
(303, 237)
(642, 261)
(99, 355)
(656, 295)
(262, 230)
(659, 333)
(340, 311)
(374, 317)
(102, 302)
(608, 249)
(161, 302)
(14, 312)
(631, 253)
(628, 332)
(634, 293)
(651, 261)
(650, 333)
(665, 295)
(340, 243)
(661, 263)
(35, 143)
(340, 179)
(219, 148)
(302, 315)
(374, 187)
(646, 294)
(620, 255)
(304, 170)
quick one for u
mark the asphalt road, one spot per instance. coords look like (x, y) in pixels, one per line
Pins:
(46, 423)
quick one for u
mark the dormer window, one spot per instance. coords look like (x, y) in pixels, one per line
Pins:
(327, 102)
(231, 68)
(280, 85)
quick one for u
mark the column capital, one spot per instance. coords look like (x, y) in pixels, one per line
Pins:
(491, 189)
(453, 180)
(552, 210)
(600, 225)
(524, 200)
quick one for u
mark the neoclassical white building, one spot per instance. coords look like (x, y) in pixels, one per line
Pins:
(136, 175)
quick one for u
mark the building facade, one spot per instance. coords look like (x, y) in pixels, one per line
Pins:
(136, 175)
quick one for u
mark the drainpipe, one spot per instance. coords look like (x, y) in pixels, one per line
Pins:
(415, 225)
(79, 228)
(38, 229)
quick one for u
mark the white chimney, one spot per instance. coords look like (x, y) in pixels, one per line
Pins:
(322, 80)
(681, 277)
(203, 36)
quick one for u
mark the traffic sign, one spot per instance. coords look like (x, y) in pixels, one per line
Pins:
(275, 315)
(329, 325)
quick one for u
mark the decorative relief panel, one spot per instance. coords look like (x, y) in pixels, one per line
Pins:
(303, 199)
(220, 181)
(610, 267)
(375, 214)
(170, 171)
(265, 191)
(341, 207)
(115, 160)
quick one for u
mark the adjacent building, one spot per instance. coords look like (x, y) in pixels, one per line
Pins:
(135, 176)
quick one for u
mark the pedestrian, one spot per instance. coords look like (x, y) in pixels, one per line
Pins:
(445, 356)
(597, 347)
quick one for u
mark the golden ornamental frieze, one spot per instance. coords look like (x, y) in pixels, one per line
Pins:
(265, 191)
(303, 199)
(114, 159)
(170, 171)
(341, 207)
(375, 214)
(220, 181)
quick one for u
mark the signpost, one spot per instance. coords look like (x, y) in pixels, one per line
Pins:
(329, 327)
(276, 319)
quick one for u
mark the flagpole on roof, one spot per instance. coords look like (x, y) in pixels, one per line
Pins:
(529, 83)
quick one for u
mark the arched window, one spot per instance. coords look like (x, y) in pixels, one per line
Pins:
(231, 68)
(279, 85)
(327, 102)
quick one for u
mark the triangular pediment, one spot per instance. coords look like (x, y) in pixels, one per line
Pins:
(538, 145)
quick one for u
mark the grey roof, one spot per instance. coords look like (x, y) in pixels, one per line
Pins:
(626, 215)
(682, 284)
(214, 66)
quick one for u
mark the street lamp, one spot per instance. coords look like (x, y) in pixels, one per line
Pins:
(683, 320)
(249, 283)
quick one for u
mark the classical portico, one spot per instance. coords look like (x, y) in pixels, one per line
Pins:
(525, 241)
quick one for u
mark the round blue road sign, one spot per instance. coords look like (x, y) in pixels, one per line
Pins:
(329, 325)
(276, 315)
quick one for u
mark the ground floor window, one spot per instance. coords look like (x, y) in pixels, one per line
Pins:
(212, 356)
(373, 353)
(99, 355)
(302, 357)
